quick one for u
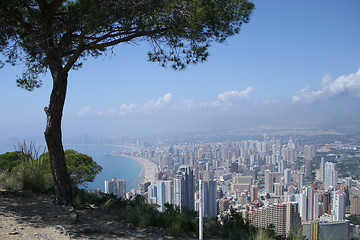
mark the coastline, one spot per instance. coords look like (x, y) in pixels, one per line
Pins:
(148, 167)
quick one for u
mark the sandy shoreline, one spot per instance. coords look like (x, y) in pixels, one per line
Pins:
(148, 167)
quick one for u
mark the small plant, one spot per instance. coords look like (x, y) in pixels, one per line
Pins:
(83, 198)
(29, 176)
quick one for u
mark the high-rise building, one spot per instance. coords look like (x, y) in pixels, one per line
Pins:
(339, 206)
(253, 192)
(308, 168)
(322, 170)
(144, 187)
(301, 180)
(269, 181)
(282, 166)
(287, 178)
(345, 190)
(326, 230)
(309, 151)
(355, 204)
(283, 216)
(309, 205)
(163, 193)
(330, 176)
(240, 182)
(278, 189)
(116, 187)
(348, 182)
(326, 200)
(184, 188)
(209, 198)
(152, 194)
(234, 167)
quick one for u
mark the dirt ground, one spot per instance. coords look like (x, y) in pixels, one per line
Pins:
(26, 216)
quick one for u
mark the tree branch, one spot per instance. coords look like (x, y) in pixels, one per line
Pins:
(53, 9)
(17, 20)
(76, 54)
(95, 46)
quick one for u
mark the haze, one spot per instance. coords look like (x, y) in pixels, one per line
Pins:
(295, 65)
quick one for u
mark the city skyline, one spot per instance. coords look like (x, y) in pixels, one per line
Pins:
(282, 70)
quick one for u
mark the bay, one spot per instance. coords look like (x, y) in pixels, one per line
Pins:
(113, 166)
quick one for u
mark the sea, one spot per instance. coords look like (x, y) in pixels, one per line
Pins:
(113, 166)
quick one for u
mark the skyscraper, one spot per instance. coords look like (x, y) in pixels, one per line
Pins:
(330, 176)
(322, 170)
(309, 205)
(301, 179)
(348, 182)
(326, 199)
(116, 187)
(287, 178)
(209, 198)
(339, 206)
(163, 193)
(184, 188)
(269, 181)
(308, 168)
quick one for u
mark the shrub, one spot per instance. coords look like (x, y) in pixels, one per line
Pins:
(82, 198)
(9, 160)
(29, 176)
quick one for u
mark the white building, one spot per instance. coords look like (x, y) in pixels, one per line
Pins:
(116, 187)
(309, 205)
(339, 206)
(152, 194)
(330, 176)
(184, 188)
(163, 193)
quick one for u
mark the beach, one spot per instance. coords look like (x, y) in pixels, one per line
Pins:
(149, 168)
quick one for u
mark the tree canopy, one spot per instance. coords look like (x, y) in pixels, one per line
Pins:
(39, 31)
(82, 168)
(9, 160)
(58, 35)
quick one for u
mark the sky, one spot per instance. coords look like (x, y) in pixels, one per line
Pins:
(296, 64)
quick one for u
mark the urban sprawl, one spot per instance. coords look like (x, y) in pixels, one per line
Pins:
(276, 181)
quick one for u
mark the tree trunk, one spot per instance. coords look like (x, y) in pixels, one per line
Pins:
(53, 136)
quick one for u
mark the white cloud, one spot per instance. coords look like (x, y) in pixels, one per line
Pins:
(158, 104)
(345, 84)
(224, 99)
(124, 108)
(127, 108)
(189, 104)
(84, 110)
(227, 97)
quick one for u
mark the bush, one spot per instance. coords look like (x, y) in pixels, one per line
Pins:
(29, 176)
(142, 214)
(9, 160)
(82, 168)
(82, 198)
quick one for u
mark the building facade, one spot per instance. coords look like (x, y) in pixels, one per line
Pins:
(116, 187)
(283, 216)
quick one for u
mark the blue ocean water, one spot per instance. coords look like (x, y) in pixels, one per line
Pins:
(113, 166)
